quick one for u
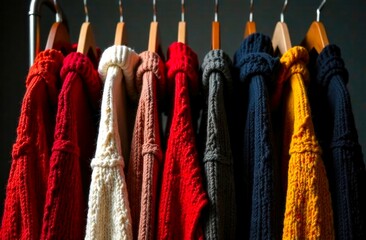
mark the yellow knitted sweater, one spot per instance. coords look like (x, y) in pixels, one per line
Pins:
(308, 213)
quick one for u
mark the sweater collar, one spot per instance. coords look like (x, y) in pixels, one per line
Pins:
(216, 61)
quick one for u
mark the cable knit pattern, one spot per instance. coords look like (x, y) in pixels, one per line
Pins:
(182, 196)
(74, 143)
(27, 183)
(308, 213)
(146, 154)
(109, 212)
(217, 157)
(255, 172)
(335, 126)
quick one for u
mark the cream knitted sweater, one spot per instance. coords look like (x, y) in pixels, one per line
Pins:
(109, 212)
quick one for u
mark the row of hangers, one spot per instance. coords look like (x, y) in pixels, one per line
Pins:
(59, 38)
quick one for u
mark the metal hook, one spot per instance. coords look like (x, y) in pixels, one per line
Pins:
(154, 10)
(318, 10)
(86, 11)
(58, 13)
(216, 10)
(251, 9)
(183, 10)
(283, 11)
(120, 10)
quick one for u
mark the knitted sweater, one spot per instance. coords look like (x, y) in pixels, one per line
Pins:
(27, 183)
(217, 156)
(182, 196)
(308, 213)
(109, 212)
(146, 154)
(74, 143)
(254, 156)
(342, 154)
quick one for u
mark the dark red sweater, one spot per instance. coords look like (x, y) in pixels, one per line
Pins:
(27, 183)
(182, 196)
(74, 145)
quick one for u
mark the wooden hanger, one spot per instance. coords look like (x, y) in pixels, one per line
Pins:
(182, 30)
(154, 37)
(316, 37)
(59, 38)
(215, 38)
(250, 26)
(281, 40)
(120, 35)
(86, 41)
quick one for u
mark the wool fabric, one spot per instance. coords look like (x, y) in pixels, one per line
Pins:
(146, 154)
(182, 196)
(308, 213)
(27, 183)
(109, 214)
(65, 208)
(342, 153)
(254, 159)
(217, 157)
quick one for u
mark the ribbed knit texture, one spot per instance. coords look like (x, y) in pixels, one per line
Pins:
(74, 145)
(254, 154)
(182, 196)
(27, 183)
(109, 214)
(220, 222)
(308, 213)
(146, 154)
(336, 130)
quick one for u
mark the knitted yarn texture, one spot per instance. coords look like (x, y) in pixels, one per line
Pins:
(65, 209)
(27, 183)
(146, 154)
(254, 161)
(108, 209)
(335, 127)
(182, 196)
(308, 213)
(220, 222)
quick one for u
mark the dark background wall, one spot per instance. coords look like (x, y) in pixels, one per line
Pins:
(345, 22)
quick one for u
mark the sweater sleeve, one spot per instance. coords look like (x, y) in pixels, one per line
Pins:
(220, 222)
(108, 208)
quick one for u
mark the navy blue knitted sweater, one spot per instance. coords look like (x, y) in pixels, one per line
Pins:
(252, 138)
(335, 128)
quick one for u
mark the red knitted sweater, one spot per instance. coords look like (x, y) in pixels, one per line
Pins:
(182, 196)
(27, 183)
(74, 145)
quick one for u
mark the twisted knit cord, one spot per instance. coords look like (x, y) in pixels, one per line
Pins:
(65, 209)
(255, 201)
(308, 213)
(27, 183)
(220, 222)
(108, 208)
(146, 155)
(182, 196)
(335, 126)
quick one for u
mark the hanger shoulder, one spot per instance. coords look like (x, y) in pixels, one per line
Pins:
(281, 38)
(182, 32)
(250, 28)
(86, 40)
(215, 39)
(120, 35)
(153, 37)
(316, 37)
(59, 38)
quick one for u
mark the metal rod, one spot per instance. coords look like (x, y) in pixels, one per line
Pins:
(34, 26)
(283, 11)
(86, 11)
(154, 10)
(216, 10)
(120, 10)
(251, 9)
(182, 11)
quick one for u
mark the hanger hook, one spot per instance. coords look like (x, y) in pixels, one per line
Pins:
(251, 9)
(283, 11)
(216, 10)
(154, 10)
(86, 11)
(182, 11)
(120, 8)
(58, 13)
(319, 9)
